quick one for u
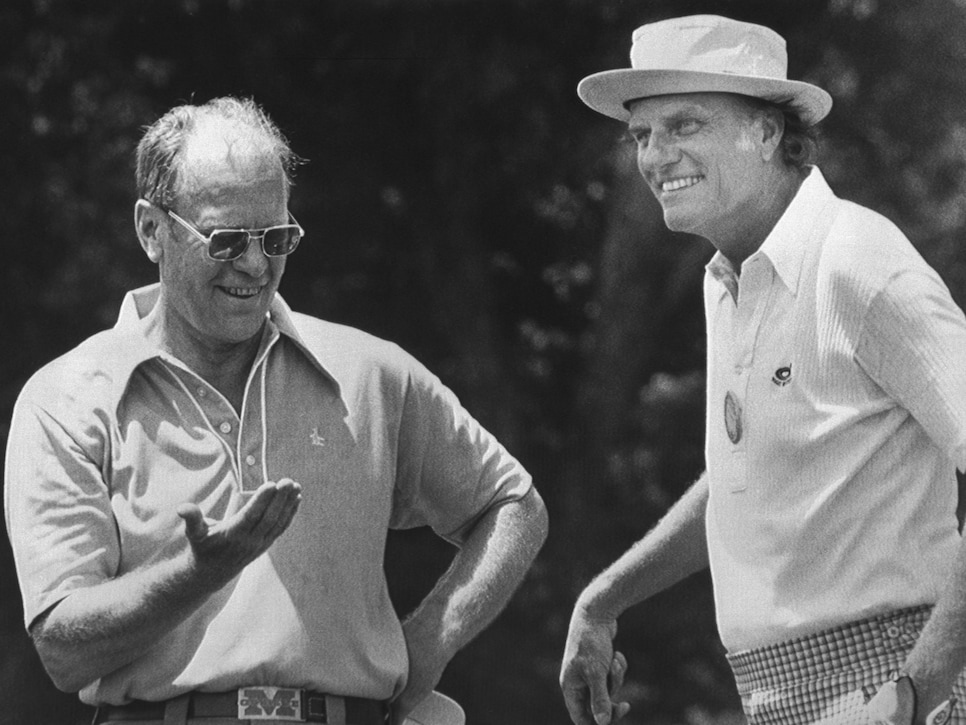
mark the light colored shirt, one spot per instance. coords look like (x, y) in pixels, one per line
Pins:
(833, 496)
(108, 440)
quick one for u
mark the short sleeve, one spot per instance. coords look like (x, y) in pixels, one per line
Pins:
(913, 344)
(450, 469)
(57, 509)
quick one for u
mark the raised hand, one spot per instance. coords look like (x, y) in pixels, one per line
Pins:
(231, 544)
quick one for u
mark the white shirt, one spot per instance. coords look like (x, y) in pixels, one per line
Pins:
(845, 359)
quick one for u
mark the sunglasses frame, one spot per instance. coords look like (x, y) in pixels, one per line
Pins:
(252, 234)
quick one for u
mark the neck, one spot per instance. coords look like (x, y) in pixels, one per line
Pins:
(751, 229)
(223, 365)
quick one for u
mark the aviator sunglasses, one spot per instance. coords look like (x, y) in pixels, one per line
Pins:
(225, 245)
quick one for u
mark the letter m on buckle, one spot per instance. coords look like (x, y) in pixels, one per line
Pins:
(270, 703)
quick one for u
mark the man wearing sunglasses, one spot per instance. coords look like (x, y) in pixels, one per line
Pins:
(198, 499)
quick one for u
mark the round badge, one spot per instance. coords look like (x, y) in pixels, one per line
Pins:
(732, 417)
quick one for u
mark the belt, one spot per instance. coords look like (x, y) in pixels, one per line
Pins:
(882, 640)
(253, 704)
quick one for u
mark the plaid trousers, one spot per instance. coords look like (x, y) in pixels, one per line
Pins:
(827, 678)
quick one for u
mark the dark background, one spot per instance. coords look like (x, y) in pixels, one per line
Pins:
(460, 200)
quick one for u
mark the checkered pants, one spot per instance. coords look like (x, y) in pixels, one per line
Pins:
(826, 678)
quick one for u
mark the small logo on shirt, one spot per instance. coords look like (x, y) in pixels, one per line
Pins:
(317, 440)
(782, 376)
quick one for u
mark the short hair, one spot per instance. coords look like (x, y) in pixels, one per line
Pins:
(799, 142)
(159, 151)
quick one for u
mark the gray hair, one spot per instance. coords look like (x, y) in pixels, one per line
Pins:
(159, 151)
(799, 142)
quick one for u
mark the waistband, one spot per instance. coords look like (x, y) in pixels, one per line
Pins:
(254, 703)
(870, 642)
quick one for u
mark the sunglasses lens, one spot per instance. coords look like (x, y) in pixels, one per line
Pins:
(281, 241)
(226, 245)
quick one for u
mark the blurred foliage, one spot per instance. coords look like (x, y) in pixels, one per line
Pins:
(460, 200)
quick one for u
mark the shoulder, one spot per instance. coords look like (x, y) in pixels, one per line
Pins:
(864, 251)
(93, 371)
(349, 350)
(862, 234)
(871, 277)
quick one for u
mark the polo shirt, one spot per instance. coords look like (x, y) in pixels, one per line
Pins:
(836, 417)
(107, 440)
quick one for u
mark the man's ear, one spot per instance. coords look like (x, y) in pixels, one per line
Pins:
(147, 222)
(772, 128)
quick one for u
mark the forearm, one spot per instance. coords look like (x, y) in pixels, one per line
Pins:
(673, 550)
(94, 631)
(940, 653)
(484, 574)
(591, 670)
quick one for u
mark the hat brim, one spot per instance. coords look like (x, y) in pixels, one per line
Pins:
(609, 92)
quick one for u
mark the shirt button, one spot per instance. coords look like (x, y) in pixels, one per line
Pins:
(225, 427)
(202, 392)
(250, 460)
(893, 631)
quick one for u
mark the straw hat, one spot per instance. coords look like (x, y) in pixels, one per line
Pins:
(703, 53)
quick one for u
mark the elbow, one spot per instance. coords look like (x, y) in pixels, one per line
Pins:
(64, 662)
(66, 683)
(517, 525)
(66, 673)
(543, 518)
(537, 518)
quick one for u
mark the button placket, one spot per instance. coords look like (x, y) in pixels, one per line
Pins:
(221, 416)
(752, 304)
(213, 408)
(250, 443)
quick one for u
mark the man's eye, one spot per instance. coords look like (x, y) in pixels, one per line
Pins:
(687, 126)
(639, 137)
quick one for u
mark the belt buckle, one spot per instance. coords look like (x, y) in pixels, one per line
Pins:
(259, 702)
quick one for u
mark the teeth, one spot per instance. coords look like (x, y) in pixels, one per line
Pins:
(680, 183)
(242, 291)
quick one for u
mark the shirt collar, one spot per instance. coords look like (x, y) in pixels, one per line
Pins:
(787, 243)
(132, 321)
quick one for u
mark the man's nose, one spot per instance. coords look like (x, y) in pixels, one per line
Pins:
(657, 154)
(253, 262)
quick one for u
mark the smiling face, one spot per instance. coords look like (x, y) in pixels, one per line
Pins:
(228, 179)
(708, 158)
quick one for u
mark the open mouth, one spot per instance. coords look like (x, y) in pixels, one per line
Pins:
(241, 293)
(685, 182)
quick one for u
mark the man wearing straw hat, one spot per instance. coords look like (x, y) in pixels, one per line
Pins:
(836, 408)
